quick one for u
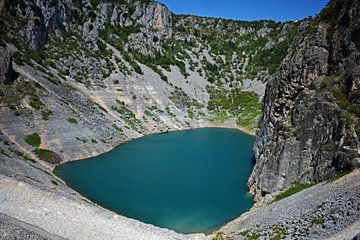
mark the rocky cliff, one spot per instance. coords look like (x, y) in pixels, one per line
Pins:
(104, 72)
(6, 70)
(309, 130)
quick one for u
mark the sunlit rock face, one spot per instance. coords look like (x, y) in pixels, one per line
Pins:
(309, 130)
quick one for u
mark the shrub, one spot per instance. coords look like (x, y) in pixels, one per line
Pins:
(35, 102)
(72, 120)
(46, 114)
(48, 156)
(119, 129)
(317, 221)
(33, 140)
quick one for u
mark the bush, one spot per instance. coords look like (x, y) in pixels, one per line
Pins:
(46, 114)
(48, 156)
(33, 140)
(35, 102)
(119, 129)
(72, 121)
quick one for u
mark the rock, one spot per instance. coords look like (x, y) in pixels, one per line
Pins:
(6, 70)
(357, 237)
(303, 129)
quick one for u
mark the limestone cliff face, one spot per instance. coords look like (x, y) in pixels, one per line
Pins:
(36, 19)
(309, 130)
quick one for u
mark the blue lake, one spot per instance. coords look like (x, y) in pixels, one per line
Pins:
(188, 181)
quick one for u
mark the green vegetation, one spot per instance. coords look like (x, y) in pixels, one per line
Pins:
(278, 234)
(250, 235)
(33, 140)
(220, 236)
(119, 129)
(23, 155)
(126, 114)
(351, 112)
(46, 114)
(317, 221)
(343, 101)
(219, 117)
(244, 106)
(35, 102)
(72, 120)
(83, 140)
(294, 188)
(47, 155)
(94, 141)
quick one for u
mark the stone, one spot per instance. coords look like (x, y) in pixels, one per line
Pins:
(6, 70)
(303, 131)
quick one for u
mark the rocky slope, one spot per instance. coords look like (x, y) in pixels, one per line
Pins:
(88, 75)
(328, 210)
(309, 130)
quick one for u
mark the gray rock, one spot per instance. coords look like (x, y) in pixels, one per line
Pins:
(6, 71)
(304, 134)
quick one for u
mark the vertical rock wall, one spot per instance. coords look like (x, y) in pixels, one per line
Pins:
(310, 124)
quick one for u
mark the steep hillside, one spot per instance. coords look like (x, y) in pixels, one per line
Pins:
(85, 76)
(309, 130)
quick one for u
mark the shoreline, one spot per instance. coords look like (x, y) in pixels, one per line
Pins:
(208, 125)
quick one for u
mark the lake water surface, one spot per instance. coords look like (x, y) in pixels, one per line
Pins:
(188, 181)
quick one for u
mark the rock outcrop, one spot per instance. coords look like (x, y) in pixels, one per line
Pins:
(309, 130)
(6, 70)
(36, 19)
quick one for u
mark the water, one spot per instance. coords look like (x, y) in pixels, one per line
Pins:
(188, 181)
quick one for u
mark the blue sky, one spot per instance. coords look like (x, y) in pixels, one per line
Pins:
(278, 10)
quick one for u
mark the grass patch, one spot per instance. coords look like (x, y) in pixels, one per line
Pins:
(94, 141)
(48, 156)
(35, 102)
(72, 120)
(33, 140)
(317, 221)
(220, 236)
(119, 129)
(219, 117)
(46, 114)
(127, 115)
(295, 188)
(23, 155)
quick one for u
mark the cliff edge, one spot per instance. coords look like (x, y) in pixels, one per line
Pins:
(309, 130)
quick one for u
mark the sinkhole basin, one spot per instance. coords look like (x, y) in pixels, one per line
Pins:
(189, 181)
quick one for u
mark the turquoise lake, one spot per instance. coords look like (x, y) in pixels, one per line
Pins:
(188, 181)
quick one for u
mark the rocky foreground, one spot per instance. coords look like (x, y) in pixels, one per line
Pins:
(328, 210)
